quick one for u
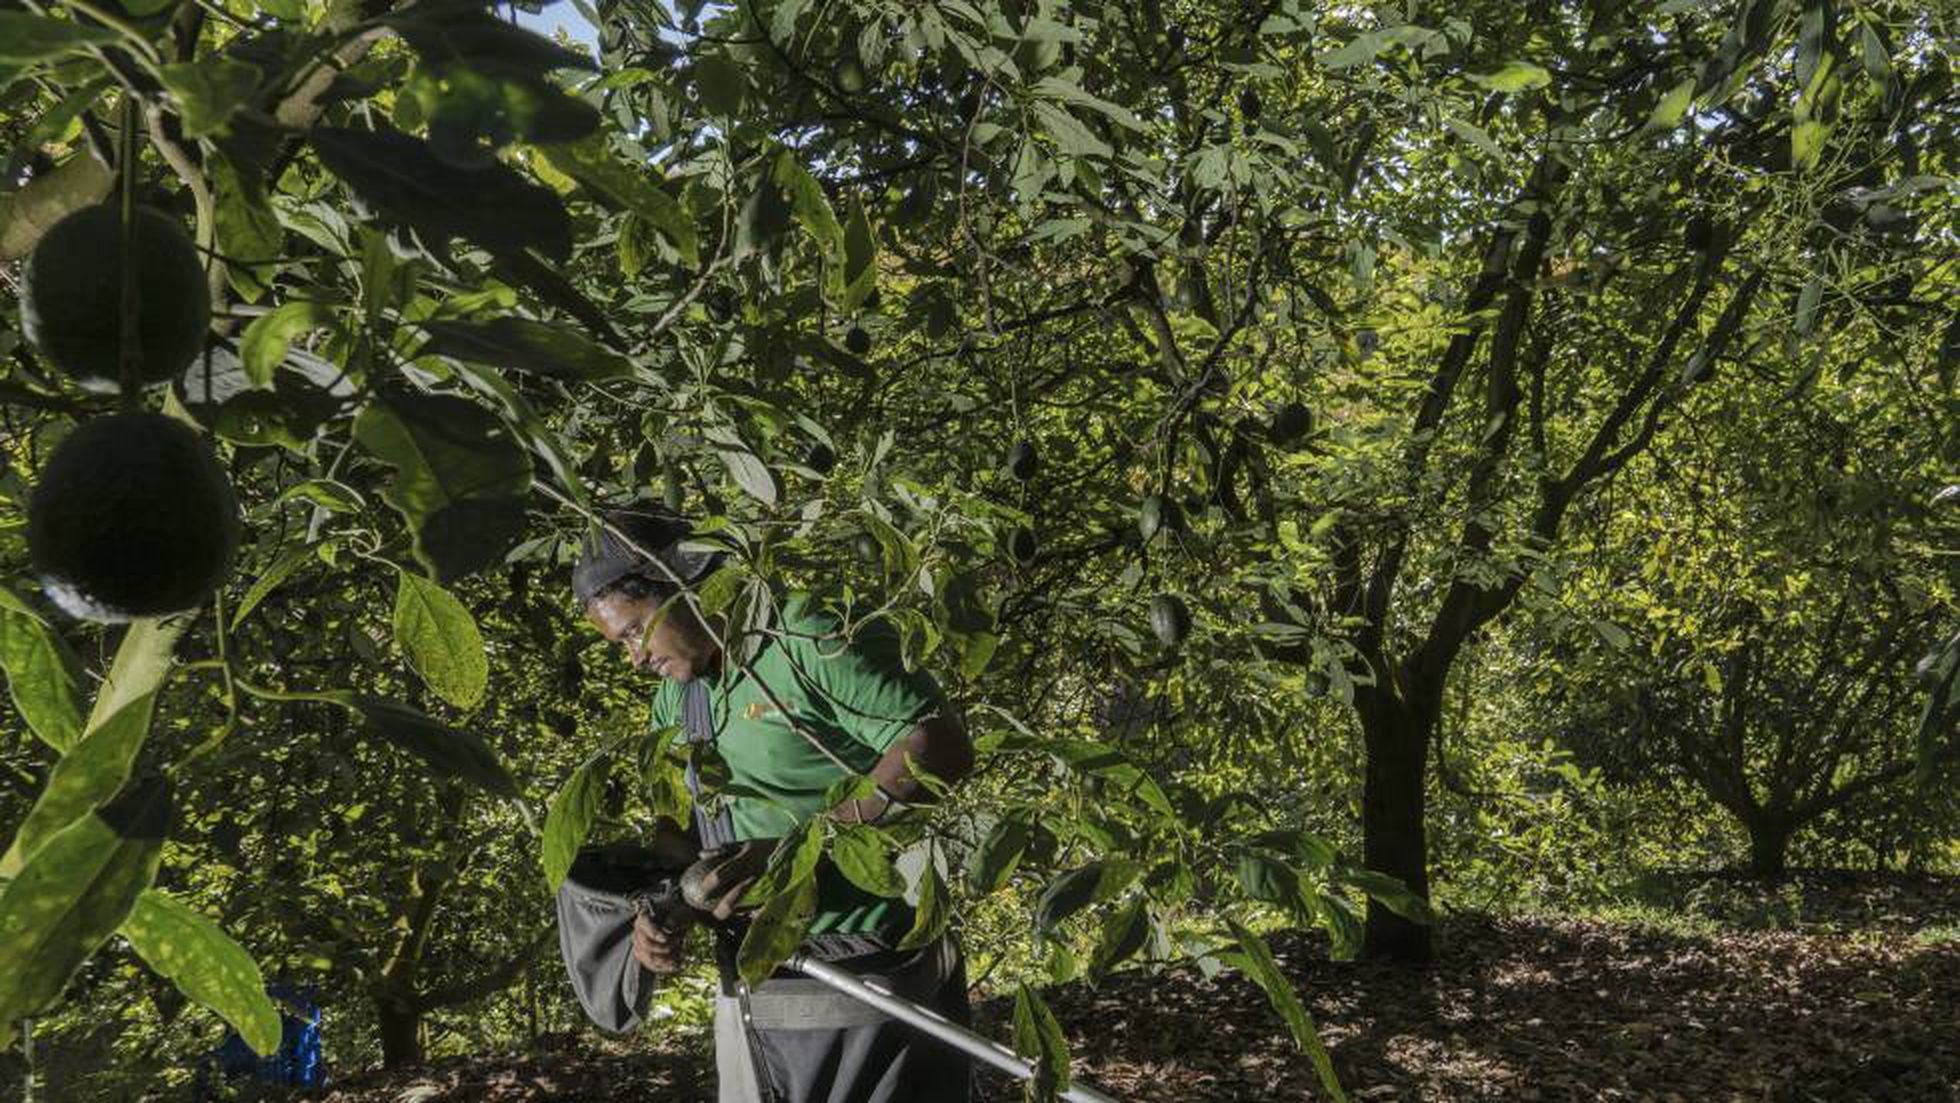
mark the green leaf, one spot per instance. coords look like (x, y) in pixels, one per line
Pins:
(249, 234)
(205, 964)
(1515, 76)
(764, 218)
(976, 651)
(78, 889)
(932, 914)
(995, 859)
(1038, 1037)
(796, 855)
(569, 820)
(484, 81)
(776, 931)
(1123, 934)
(1473, 134)
(472, 112)
(80, 181)
(1807, 141)
(331, 495)
(1079, 888)
(860, 854)
(1360, 50)
(749, 472)
(441, 640)
(1390, 892)
(1343, 926)
(93, 770)
(1031, 171)
(901, 555)
(1057, 89)
(860, 248)
(1668, 113)
(490, 205)
(782, 24)
(1614, 636)
(1939, 674)
(1807, 303)
(592, 164)
(460, 478)
(536, 433)
(209, 91)
(267, 339)
(283, 568)
(42, 674)
(525, 344)
(452, 33)
(1069, 133)
(1112, 766)
(448, 751)
(30, 38)
(721, 84)
(1813, 40)
(1271, 881)
(811, 207)
(1258, 962)
(1877, 60)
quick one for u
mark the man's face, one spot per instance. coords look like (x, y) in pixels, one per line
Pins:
(665, 640)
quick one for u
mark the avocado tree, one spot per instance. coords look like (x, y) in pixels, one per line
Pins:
(964, 288)
(1775, 668)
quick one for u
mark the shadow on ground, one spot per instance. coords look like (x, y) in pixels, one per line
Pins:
(1513, 1009)
(1544, 1009)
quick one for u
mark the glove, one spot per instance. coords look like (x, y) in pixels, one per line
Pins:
(716, 883)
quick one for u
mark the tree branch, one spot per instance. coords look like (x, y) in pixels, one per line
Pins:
(496, 980)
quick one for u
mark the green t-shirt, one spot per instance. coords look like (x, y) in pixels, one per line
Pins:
(856, 697)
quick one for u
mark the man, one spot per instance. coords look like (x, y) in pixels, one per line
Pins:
(809, 709)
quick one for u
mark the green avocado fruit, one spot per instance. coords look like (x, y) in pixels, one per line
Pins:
(1170, 621)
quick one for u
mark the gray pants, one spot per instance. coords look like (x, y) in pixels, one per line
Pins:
(821, 1046)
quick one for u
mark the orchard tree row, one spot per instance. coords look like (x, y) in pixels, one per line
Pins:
(1196, 388)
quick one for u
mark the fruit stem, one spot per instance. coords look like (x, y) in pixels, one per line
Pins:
(223, 663)
(130, 312)
(266, 693)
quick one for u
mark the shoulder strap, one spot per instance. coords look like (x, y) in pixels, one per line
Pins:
(697, 716)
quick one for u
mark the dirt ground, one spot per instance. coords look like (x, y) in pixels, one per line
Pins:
(1820, 987)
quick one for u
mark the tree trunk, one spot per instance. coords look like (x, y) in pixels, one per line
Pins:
(1769, 844)
(1396, 733)
(401, 1032)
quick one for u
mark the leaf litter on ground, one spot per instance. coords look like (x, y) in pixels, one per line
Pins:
(1819, 986)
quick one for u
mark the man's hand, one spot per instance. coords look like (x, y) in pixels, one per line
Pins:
(715, 884)
(657, 943)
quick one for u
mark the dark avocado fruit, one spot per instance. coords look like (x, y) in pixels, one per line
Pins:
(71, 297)
(133, 517)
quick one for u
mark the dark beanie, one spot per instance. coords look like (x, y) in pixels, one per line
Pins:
(605, 558)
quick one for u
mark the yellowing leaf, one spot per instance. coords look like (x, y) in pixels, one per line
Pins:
(1668, 113)
(1515, 76)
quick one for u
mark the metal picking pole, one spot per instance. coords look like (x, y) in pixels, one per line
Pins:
(940, 1027)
